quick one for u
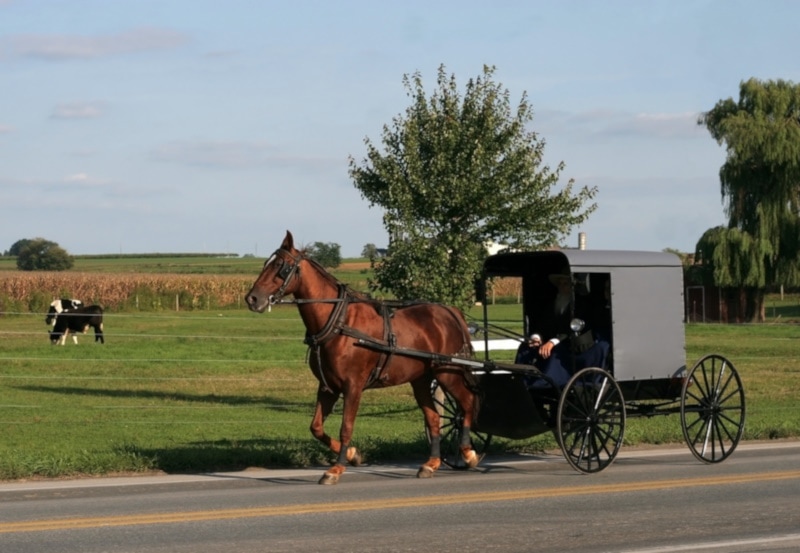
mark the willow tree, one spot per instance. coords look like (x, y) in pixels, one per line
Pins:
(455, 173)
(760, 187)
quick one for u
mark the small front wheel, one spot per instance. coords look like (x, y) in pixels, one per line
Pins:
(712, 409)
(591, 420)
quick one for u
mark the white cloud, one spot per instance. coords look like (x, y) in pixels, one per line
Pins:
(620, 123)
(213, 154)
(238, 155)
(83, 179)
(78, 110)
(6, 129)
(66, 47)
(660, 125)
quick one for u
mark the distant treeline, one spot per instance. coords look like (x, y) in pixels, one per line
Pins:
(152, 255)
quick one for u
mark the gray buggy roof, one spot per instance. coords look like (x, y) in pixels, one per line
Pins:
(646, 302)
(587, 260)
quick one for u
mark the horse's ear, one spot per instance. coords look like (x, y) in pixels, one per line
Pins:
(288, 242)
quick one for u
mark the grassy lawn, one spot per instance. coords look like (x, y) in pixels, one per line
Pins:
(208, 389)
(214, 390)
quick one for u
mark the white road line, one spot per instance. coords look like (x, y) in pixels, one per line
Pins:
(728, 544)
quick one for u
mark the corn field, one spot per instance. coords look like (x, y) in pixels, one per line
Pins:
(34, 291)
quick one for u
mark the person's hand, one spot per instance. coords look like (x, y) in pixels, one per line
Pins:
(546, 349)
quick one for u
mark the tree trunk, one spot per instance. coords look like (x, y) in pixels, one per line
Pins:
(755, 305)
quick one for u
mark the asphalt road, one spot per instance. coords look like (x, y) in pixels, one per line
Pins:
(649, 501)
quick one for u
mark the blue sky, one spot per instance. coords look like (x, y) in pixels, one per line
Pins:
(211, 126)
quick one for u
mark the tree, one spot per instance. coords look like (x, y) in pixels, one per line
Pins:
(18, 245)
(732, 259)
(43, 255)
(456, 173)
(370, 251)
(760, 187)
(328, 255)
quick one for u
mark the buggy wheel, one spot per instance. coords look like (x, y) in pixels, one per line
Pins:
(712, 409)
(590, 420)
(451, 424)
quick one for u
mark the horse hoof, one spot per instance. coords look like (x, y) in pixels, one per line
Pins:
(471, 458)
(329, 479)
(425, 472)
(353, 456)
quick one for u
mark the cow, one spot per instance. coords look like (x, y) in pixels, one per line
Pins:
(72, 321)
(59, 306)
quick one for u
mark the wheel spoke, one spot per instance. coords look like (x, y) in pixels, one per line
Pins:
(591, 420)
(712, 416)
(451, 427)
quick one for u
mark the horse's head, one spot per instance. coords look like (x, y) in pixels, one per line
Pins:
(278, 278)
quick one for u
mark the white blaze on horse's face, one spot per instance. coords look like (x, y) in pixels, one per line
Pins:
(271, 300)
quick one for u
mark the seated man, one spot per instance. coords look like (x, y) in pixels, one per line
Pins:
(565, 351)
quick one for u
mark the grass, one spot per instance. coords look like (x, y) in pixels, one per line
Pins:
(207, 390)
(204, 391)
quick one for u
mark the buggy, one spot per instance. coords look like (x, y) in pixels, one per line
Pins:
(645, 373)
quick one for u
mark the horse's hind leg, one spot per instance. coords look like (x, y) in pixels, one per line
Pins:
(422, 393)
(325, 402)
(454, 381)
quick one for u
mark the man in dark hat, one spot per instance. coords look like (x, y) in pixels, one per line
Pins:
(565, 351)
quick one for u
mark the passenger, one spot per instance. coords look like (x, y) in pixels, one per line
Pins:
(564, 352)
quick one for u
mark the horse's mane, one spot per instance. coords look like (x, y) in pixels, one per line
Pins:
(352, 292)
(357, 295)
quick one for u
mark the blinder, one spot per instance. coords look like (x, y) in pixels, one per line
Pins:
(285, 272)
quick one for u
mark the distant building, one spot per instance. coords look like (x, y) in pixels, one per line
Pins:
(493, 247)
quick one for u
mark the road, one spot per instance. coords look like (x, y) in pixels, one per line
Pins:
(650, 501)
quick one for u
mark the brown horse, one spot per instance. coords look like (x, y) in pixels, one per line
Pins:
(358, 343)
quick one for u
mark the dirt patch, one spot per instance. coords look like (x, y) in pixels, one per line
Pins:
(354, 266)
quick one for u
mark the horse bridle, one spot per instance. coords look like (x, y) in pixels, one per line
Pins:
(286, 272)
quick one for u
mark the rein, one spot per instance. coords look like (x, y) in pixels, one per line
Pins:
(336, 320)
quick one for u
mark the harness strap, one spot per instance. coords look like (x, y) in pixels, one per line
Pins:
(336, 325)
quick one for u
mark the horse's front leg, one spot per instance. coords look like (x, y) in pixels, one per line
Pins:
(325, 402)
(347, 454)
(425, 400)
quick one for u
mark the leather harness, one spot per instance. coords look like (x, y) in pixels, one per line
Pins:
(335, 325)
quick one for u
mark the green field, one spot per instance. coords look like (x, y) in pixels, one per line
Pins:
(212, 391)
(207, 390)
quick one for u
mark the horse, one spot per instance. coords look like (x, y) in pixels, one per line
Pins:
(357, 343)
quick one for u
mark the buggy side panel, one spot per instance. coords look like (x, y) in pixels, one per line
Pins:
(647, 311)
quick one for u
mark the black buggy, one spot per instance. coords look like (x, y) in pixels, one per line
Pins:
(645, 375)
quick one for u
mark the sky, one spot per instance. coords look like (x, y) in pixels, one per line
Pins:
(183, 126)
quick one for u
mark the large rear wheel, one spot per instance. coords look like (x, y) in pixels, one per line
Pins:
(591, 420)
(712, 409)
(451, 424)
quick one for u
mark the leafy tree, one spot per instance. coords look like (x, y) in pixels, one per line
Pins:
(370, 251)
(760, 186)
(18, 245)
(326, 254)
(43, 255)
(455, 173)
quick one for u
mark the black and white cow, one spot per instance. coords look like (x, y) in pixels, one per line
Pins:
(59, 306)
(72, 321)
